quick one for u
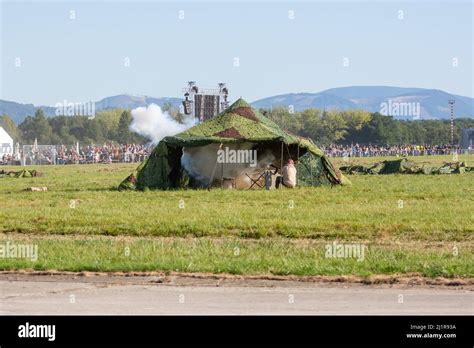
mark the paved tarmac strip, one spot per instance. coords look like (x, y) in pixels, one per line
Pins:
(181, 295)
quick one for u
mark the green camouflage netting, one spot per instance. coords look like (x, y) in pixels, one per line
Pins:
(308, 166)
(238, 124)
(404, 166)
(20, 174)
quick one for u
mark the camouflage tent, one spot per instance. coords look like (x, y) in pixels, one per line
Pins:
(238, 124)
(404, 166)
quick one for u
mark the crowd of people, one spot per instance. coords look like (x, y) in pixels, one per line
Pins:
(133, 153)
(60, 154)
(394, 150)
(107, 153)
(7, 159)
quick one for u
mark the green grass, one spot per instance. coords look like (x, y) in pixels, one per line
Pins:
(278, 256)
(437, 214)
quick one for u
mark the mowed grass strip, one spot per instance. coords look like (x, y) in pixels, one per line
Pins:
(275, 256)
(375, 208)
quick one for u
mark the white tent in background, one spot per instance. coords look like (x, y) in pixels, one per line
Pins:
(35, 145)
(6, 143)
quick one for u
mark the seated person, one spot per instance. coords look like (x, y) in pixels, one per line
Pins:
(288, 177)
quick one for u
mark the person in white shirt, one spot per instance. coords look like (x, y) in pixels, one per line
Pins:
(288, 177)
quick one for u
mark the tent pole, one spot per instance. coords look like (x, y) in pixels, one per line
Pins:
(222, 174)
(297, 159)
(281, 161)
(214, 170)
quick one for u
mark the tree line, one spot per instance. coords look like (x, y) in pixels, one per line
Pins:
(107, 126)
(362, 127)
(324, 127)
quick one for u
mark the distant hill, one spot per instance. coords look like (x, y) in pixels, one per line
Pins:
(126, 101)
(433, 103)
(301, 101)
(18, 112)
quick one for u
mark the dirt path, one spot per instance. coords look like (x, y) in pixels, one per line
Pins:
(90, 293)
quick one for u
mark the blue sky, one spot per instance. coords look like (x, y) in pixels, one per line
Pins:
(84, 58)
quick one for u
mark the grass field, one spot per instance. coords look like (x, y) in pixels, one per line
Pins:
(407, 224)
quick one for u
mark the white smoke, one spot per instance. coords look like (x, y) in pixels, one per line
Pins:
(201, 162)
(155, 124)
